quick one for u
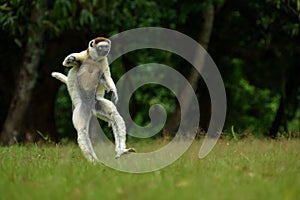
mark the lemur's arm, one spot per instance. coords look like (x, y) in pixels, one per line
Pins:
(70, 61)
(106, 82)
(75, 59)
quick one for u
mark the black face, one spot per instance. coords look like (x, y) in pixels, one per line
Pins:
(102, 49)
(99, 48)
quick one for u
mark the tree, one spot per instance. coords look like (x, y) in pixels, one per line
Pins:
(255, 46)
(27, 76)
(43, 52)
(25, 23)
(208, 13)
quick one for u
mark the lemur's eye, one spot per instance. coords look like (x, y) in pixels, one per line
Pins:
(92, 43)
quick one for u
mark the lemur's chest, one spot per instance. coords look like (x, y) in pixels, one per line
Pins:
(89, 74)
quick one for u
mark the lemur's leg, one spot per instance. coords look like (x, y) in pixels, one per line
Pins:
(99, 93)
(107, 109)
(80, 123)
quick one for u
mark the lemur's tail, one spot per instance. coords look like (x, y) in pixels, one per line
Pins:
(63, 78)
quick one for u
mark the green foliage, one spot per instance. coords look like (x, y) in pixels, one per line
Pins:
(245, 99)
(149, 95)
(46, 138)
(258, 62)
(254, 43)
(12, 16)
(250, 107)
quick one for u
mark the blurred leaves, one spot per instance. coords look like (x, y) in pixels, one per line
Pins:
(254, 43)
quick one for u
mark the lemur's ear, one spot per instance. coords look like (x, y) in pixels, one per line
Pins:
(91, 44)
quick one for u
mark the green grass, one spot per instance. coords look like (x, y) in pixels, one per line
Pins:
(247, 169)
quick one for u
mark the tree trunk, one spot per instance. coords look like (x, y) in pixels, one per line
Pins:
(277, 120)
(204, 37)
(39, 115)
(288, 104)
(14, 123)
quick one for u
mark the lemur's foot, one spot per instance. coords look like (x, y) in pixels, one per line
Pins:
(124, 151)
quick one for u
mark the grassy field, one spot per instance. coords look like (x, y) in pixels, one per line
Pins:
(247, 169)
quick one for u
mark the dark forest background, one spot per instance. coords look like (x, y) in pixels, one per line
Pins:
(255, 44)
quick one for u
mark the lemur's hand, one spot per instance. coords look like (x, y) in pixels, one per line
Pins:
(114, 97)
(70, 61)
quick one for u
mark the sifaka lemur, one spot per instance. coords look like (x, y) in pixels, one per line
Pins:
(87, 81)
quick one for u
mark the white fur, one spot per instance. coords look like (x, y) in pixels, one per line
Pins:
(108, 112)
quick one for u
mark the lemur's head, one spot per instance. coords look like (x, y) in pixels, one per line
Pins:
(99, 48)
